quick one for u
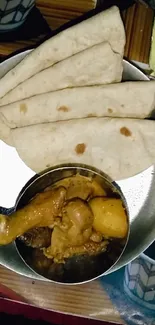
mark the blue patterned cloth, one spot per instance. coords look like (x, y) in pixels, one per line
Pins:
(139, 282)
(130, 311)
(13, 13)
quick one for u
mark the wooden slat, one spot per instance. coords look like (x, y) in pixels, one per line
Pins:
(137, 35)
(10, 48)
(53, 12)
(72, 5)
(89, 300)
(55, 23)
(129, 21)
(138, 25)
(147, 35)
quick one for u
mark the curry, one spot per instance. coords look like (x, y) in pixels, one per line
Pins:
(73, 217)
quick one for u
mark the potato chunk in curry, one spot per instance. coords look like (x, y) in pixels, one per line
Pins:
(109, 217)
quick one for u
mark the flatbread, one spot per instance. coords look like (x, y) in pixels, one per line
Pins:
(127, 99)
(4, 132)
(94, 66)
(119, 147)
(105, 26)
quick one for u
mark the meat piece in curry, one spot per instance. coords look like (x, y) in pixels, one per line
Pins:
(40, 212)
(74, 232)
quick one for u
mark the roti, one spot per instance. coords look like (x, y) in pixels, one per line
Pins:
(94, 66)
(119, 147)
(127, 99)
(105, 26)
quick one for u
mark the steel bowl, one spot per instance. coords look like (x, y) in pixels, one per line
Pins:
(77, 269)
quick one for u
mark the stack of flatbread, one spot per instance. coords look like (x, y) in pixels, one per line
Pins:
(65, 102)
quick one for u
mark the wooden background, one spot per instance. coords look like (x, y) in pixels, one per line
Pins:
(138, 21)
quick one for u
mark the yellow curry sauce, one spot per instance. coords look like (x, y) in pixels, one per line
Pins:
(79, 212)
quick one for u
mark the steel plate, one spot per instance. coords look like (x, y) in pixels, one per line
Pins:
(139, 192)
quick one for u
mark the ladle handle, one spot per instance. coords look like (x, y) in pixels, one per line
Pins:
(7, 211)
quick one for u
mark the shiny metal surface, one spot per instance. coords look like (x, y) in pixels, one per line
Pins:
(139, 192)
(78, 269)
(131, 72)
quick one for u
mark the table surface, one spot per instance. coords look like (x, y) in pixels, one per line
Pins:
(89, 300)
(138, 21)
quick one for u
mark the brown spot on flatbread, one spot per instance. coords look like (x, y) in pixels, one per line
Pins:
(92, 115)
(122, 105)
(23, 108)
(64, 109)
(48, 165)
(110, 110)
(80, 148)
(125, 131)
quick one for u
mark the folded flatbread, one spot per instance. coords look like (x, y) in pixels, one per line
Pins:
(127, 99)
(105, 26)
(4, 132)
(119, 147)
(94, 66)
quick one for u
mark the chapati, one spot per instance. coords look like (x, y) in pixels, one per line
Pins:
(94, 66)
(4, 132)
(126, 99)
(119, 147)
(105, 26)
